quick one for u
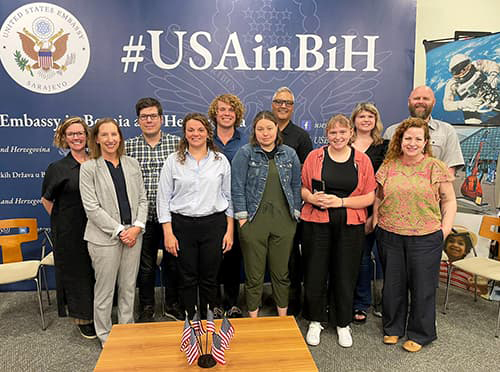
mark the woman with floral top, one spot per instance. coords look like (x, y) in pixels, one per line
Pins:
(414, 211)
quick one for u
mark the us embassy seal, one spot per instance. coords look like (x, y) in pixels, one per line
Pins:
(44, 48)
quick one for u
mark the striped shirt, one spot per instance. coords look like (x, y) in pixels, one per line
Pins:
(151, 160)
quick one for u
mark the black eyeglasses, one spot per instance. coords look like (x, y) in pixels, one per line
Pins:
(151, 116)
(280, 102)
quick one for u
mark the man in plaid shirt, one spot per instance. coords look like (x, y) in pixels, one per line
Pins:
(151, 149)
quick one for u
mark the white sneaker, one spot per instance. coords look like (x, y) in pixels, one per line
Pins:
(345, 338)
(312, 337)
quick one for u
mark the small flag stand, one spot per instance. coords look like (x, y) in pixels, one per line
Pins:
(192, 342)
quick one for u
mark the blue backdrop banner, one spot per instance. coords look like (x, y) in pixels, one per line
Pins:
(97, 58)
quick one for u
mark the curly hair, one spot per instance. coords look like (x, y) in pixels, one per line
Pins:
(95, 148)
(267, 115)
(376, 132)
(60, 135)
(184, 145)
(394, 150)
(233, 101)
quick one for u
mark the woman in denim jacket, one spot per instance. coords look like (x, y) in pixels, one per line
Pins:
(265, 188)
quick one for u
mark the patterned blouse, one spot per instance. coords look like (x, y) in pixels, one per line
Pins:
(410, 204)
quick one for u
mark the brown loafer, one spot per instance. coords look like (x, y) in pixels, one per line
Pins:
(412, 346)
(391, 340)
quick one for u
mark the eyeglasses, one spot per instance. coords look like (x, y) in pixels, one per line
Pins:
(75, 134)
(150, 116)
(280, 102)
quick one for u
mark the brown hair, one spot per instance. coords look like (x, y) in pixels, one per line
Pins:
(146, 103)
(376, 132)
(60, 135)
(95, 148)
(340, 119)
(233, 101)
(184, 145)
(394, 150)
(268, 115)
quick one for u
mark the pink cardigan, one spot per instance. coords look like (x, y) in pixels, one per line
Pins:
(366, 183)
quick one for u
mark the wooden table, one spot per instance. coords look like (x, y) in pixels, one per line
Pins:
(262, 344)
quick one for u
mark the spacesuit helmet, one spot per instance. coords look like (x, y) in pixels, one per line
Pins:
(458, 63)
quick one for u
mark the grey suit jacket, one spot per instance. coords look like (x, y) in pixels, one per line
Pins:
(101, 203)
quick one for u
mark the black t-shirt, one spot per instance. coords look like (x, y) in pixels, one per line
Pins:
(298, 139)
(340, 178)
(376, 153)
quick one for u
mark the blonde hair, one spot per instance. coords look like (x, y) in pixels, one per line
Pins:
(339, 119)
(60, 135)
(376, 132)
(231, 100)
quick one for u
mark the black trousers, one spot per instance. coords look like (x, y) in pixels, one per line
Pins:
(230, 274)
(200, 255)
(331, 255)
(151, 241)
(411, 264)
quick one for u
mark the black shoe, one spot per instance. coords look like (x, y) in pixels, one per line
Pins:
(235, 312)
(174, 312)
(87, 331)
(147, 314)
(359, 316)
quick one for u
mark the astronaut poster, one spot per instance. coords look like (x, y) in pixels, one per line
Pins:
(464, 76)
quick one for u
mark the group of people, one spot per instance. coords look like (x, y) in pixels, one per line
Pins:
(219, 201)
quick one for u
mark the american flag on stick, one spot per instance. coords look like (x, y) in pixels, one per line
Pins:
(218, 349)
(197, 324)
(186, 332)
(210, 321)
(226, 332)
(192, 350)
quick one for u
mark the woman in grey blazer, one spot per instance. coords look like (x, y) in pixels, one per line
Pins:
(115, 202)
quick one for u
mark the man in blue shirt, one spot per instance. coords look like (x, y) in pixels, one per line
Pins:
(226, 113)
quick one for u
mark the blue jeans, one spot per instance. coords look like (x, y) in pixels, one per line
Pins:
(363, 291)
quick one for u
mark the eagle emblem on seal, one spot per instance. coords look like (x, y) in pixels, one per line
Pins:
(44, 48)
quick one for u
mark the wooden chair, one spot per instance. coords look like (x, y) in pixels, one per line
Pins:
(482, 266)
(14, 268)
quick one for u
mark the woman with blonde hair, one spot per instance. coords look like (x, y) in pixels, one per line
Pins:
(337, 186)
(61, 199)
(116, 205)
(367, 138)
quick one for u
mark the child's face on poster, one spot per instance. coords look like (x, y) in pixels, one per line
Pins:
(455, 247)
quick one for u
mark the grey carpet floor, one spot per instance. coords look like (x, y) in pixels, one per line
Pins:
(466, 340)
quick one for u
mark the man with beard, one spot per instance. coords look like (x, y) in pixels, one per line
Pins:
(444, 139)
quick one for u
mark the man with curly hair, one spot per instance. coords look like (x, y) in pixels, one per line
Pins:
(226, 113)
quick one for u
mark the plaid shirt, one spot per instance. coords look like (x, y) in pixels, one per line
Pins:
(151, 160)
